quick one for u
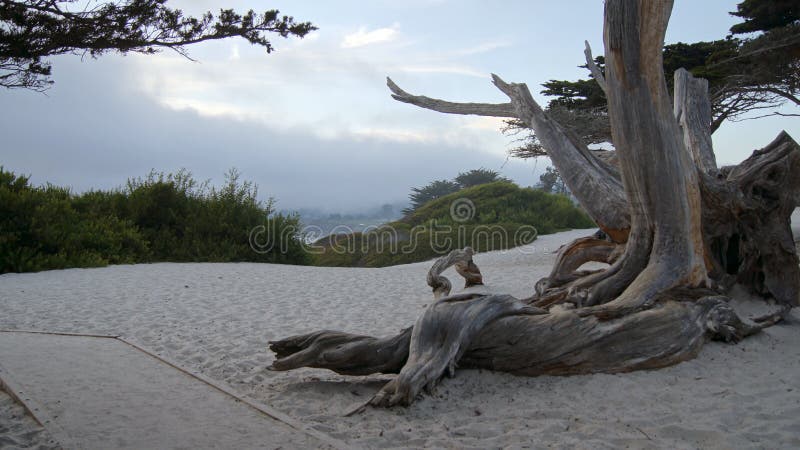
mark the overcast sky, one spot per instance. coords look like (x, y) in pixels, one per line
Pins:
(313, 123)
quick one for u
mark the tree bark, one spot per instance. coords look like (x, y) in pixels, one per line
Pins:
(665, 247)
(692, 109)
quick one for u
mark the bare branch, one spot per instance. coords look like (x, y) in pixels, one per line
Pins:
(594, 182)
(784, 94)
(591, 180)
(478, 109)
(596, 73)
(776, 113)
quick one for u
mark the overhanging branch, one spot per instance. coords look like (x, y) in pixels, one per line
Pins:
(477, 109)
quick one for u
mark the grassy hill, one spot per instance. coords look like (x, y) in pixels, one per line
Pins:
(487, 217)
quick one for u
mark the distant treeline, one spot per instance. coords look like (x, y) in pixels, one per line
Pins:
(163, 217)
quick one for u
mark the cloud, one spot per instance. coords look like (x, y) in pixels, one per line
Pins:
(362, 37)
(483, 48)
(86, 150)
(451, 69)
(484, 123)
(217, 109)
(329, 92)
(394, 135)
(234, 53)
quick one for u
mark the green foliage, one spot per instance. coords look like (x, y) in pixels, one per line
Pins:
(761, 72)
(32, 30)
(440, 188)
(42, 228)
(581, 94)
(700, 59)
(550, 181)
(505, 202)
(764, 15)
(497, 216)
(431, 191)
(163, 217)
(477, 177)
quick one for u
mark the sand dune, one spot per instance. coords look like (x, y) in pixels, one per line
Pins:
(217, 319)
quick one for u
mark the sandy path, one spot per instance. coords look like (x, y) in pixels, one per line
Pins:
(217, 318)
(101, 393)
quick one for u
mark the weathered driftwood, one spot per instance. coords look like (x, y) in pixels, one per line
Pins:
(499, 332)
(462, 260)
(524, 341)
(677, 232)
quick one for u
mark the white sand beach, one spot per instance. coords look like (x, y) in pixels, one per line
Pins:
(217, 318)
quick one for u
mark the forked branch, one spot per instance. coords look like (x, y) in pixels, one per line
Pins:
(477, 109)
(592, 181)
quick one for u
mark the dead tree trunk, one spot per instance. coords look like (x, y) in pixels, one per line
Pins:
(680, 232)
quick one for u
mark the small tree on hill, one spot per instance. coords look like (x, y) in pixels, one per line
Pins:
(550, 181)
(475, 177)
(431, 191)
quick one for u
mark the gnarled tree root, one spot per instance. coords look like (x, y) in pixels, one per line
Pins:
(462, 260)
(578, 252)
(439, 339)
(499, 332)
(344, 353)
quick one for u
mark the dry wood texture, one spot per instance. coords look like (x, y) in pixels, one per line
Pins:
(677, 233)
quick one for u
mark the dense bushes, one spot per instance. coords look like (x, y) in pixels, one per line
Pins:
(492, 216)
(163, 217)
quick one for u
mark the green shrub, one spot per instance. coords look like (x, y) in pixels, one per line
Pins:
(163, 217)
(41, 229)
